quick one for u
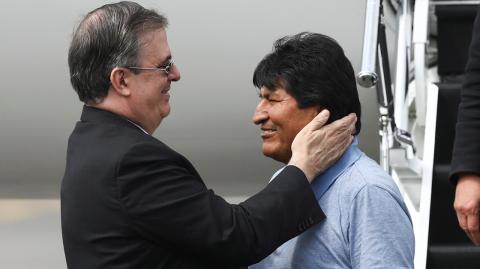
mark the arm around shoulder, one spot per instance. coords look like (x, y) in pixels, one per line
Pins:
(167, 202)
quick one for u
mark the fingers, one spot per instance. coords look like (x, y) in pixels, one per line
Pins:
(335, 139)
(319, 120)
(467, 205)
(340, 131)
(317, 146)
(462, 220)
(346, 123)
(473, 228)
(470, 224)
(344, 140)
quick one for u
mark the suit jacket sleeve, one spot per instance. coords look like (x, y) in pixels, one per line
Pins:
(466, 151)
(168, 203)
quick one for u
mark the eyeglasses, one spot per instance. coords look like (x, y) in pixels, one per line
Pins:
(164, 68)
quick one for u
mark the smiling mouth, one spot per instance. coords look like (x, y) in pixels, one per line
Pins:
(266, 133)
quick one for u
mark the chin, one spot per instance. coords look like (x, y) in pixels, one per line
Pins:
(165, 113)
(276, 155)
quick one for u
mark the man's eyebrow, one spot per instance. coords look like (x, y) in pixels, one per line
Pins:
(273, 94)
(263, 94)
(166, 60)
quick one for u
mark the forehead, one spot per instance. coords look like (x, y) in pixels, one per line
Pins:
(280, 92)
(154, 45)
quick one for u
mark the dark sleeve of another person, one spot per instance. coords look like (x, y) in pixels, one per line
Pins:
(168, 203)
(466, 151)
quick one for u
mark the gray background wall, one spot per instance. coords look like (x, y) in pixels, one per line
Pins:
(216, 44)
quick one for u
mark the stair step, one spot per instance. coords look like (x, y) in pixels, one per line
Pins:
(453, 257)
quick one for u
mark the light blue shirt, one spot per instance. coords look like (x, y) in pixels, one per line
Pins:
(367, 224)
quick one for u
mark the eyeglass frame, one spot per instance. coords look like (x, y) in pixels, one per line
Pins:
(166, 69)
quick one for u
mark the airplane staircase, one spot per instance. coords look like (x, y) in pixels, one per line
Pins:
(448, 246)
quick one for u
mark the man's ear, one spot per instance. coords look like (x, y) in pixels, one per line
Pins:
(119, 79)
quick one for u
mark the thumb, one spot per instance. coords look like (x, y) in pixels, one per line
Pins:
(319, 120)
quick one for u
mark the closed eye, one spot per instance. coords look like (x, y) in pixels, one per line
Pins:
(270, 100)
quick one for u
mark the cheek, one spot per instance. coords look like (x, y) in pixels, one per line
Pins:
(289, 130)
(297, 120)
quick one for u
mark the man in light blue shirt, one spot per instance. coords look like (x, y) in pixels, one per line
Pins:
(367, 224)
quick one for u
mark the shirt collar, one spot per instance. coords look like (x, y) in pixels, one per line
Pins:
(138, 126)
(323, 181)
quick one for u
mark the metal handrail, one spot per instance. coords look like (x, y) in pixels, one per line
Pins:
(367, 77)
(420, 41)
(454, 3)
(401, 79)
(376, 72)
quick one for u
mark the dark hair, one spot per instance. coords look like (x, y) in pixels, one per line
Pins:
(106, 38)
(315, 71)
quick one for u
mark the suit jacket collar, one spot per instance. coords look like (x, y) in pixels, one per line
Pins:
(100, 116)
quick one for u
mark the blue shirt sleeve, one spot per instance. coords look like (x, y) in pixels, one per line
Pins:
(380, 235)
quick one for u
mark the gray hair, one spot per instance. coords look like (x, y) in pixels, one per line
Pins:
(107, 37)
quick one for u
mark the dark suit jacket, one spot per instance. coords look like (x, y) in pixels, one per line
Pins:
(466, 151)
(129, 201)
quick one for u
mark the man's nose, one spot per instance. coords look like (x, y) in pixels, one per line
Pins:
(174, 74)
(260, 115)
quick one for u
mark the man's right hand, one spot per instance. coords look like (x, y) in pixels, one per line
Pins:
(467, 205)
(316, 147)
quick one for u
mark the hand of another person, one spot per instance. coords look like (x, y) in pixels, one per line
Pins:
(316, 147)
(467, 205)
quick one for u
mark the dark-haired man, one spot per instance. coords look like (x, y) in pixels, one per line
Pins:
(130, 201)
(367, 224)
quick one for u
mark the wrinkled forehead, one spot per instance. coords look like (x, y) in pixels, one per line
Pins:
(274, 92)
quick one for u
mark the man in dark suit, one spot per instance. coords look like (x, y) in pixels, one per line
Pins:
(466, 152)
(128, 200)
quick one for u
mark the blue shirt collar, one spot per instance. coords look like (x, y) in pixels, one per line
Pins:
(323, 181)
